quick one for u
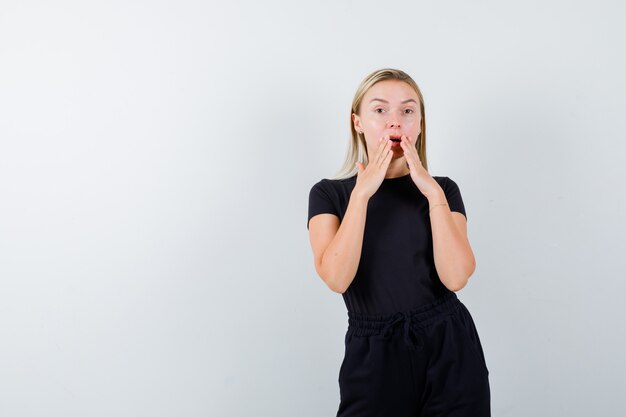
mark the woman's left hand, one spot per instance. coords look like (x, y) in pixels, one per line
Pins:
(422, 179)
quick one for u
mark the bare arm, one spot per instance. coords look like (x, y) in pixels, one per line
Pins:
(337, 247)
(454, 259)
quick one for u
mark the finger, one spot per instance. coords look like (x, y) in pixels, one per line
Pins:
(381, 142)
(381, 145)
(406, 147)
(386, 156)
(387, 160)
(381, 150)
(414, 153)
(408, 154)
(410, 145)
(386, 152)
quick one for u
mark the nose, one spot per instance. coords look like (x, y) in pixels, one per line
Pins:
(393, 122)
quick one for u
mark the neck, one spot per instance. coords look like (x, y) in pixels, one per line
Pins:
(397, 168)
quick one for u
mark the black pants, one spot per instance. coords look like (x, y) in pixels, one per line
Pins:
(426, 362)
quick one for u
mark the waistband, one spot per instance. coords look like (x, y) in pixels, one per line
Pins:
(414, 321)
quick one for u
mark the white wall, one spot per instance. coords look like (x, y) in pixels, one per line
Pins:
(155, 164)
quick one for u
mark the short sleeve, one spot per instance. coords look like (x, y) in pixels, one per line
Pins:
(321, 201)
(453, 195)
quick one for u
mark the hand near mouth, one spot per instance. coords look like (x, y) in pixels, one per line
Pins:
(370, 177)
(422, 179)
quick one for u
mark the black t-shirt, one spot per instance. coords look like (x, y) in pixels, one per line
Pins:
(396, 271)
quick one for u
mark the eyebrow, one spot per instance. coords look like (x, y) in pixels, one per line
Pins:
(385, 101)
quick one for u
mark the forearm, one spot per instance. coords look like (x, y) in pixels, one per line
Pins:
(341, 259)
(452, 252)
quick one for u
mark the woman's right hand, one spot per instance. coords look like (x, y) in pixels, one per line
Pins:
(369, 178)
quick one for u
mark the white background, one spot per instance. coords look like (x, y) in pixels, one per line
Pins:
(155, 164)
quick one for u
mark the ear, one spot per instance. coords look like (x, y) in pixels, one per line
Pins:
(356, 120)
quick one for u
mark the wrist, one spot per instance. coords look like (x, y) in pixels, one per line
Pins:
(356, 194)
(437, 197)
(435, 206)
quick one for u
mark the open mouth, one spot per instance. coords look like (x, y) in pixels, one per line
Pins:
(395, 139)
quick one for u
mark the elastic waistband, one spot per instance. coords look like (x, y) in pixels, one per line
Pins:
(365, 325)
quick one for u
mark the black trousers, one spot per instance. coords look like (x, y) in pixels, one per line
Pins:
(426, 362)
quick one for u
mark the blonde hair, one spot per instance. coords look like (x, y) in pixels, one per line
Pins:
(357, 149)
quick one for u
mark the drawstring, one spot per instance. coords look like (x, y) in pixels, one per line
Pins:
(406, 318)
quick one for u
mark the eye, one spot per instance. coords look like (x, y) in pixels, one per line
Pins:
(377, 110)
(409, 111)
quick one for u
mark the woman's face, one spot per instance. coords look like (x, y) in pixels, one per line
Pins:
(389, 108)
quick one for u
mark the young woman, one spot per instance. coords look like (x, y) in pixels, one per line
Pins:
(392, 239)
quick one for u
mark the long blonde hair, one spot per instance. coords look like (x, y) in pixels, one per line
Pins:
(357, 149)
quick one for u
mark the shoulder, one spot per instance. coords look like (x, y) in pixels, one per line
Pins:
(453, 195)
(446, 183)
(442, 179)
(329, 184)
(330, 196)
